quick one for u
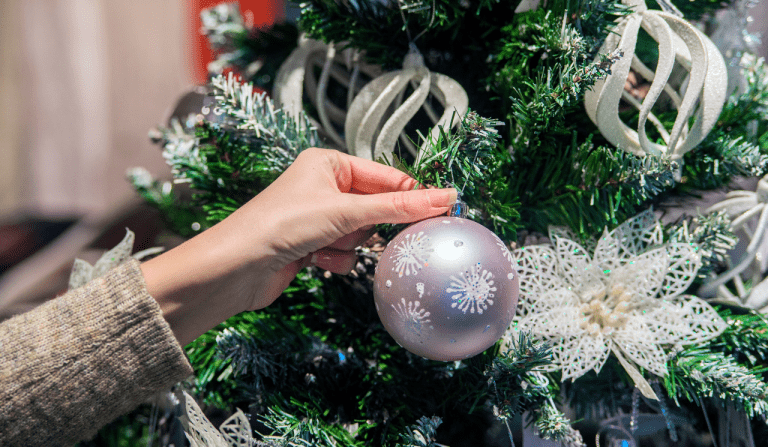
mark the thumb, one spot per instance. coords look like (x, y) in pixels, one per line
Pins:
(401, 206)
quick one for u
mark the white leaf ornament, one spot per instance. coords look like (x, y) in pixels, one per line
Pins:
(702, 95)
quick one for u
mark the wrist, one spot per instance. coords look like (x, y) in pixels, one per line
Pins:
(202, 282)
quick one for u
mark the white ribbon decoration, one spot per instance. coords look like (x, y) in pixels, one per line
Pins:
(374, 100)
(706, 86)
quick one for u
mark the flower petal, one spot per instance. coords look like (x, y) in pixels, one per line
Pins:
(583, 354)
(574, 350)
(554, 323)
(606, 254)
(684, 320)
(116, 256)
(684, 262)
(640, 345)
(554, 300)
(537, 270)
(642, 276)
(638, 234)
(575, 266)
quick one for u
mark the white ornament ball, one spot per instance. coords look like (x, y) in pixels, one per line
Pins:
(698, 101)
(446, 288)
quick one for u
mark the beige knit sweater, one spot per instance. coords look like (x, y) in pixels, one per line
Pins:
(77, 362)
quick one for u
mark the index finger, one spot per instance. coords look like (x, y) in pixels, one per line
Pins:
(370, 177)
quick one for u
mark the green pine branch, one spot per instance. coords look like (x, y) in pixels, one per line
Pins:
(711, 234)
(229, 160)
(515, 387)
(544, 63)
(699, 372)
(384, 30)
(178, 215)
(512, 382)
(588, 188)
(308, 429)
(253, 116)
(696, 10)
(552, 424)
(745, 338)
(730, 367)
(469, 159)
(422, 434)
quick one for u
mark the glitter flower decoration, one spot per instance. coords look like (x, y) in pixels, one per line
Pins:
(626, 299)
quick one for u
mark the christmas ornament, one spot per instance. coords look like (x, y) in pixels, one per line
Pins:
(296, 76)
(749, 215)
(626, 299)
(445, 288)
(705, 87)
(366, 138)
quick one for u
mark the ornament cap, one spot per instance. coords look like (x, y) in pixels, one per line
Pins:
(459, 209)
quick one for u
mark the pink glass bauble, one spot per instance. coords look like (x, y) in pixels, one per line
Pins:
(446, 288)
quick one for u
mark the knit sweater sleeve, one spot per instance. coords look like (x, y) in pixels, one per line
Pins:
(77, 362)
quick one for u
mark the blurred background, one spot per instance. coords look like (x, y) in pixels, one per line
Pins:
(81, 84)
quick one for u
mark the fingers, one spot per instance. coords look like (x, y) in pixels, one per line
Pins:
(336, 261)
(369, 177)
(400, 207)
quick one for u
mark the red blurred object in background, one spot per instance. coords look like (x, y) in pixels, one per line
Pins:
(264, 12)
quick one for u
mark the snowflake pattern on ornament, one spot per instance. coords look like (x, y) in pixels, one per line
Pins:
(412, 254)
(413, 318)
(507, 254)
(475, 289)
(504, 250)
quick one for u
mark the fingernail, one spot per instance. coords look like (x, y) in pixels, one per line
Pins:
(441, 198)
(313, 259)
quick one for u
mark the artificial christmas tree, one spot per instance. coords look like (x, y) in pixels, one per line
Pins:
(551, 120)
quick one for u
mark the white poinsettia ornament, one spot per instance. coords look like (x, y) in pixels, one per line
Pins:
(626, 299)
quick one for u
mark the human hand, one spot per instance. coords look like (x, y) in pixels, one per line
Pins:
(322, 207)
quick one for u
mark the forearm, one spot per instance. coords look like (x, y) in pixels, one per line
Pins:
(199, 284)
